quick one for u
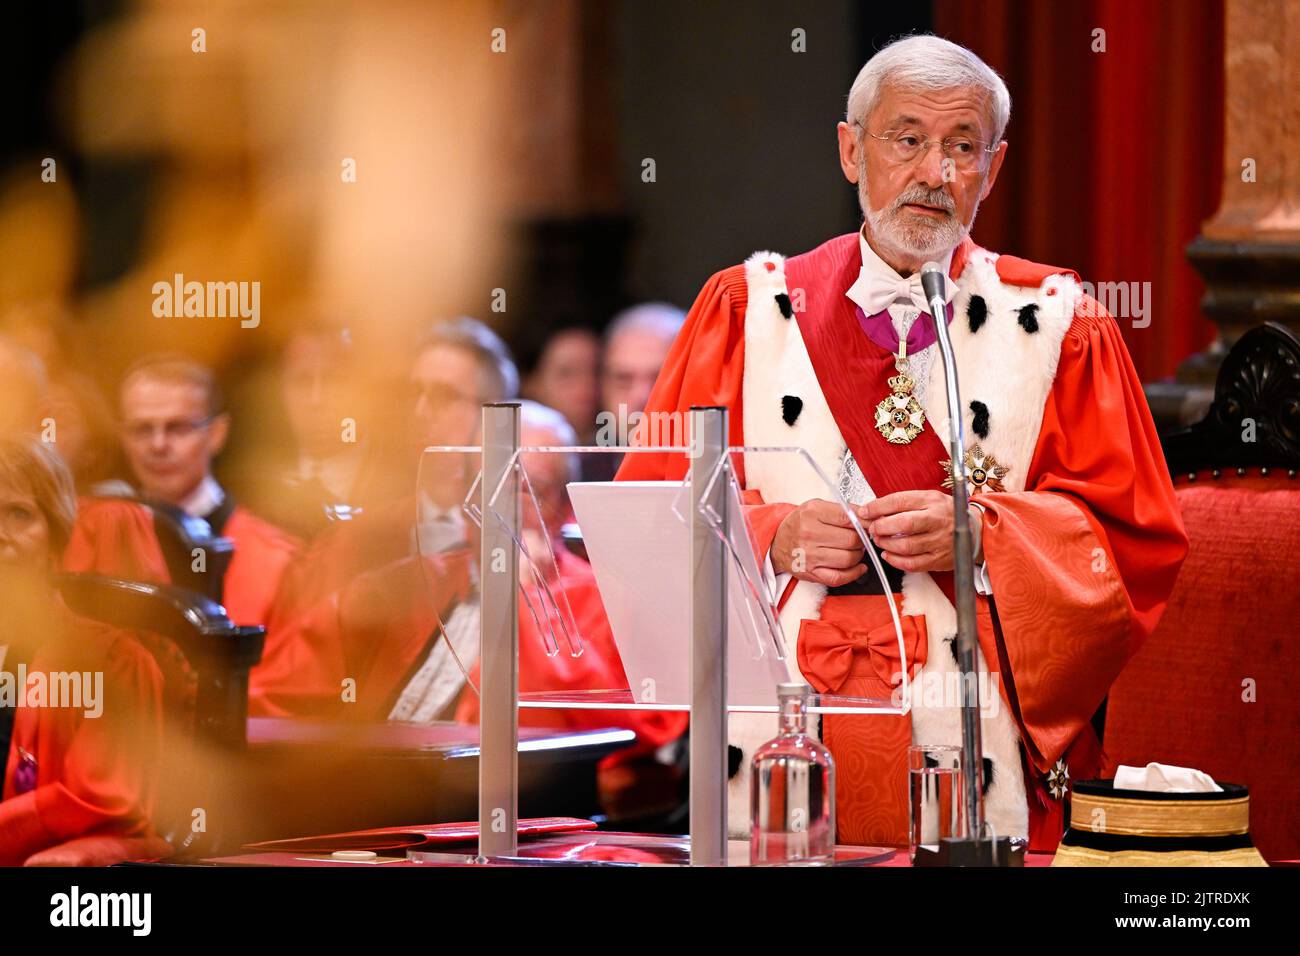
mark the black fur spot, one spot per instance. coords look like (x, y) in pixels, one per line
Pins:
(952, 646)
(977, 311)
(931, 760)
(1029, 318)
(734, 757)
(988, 774)
(980, 424)
(783, 303)
(791, 406)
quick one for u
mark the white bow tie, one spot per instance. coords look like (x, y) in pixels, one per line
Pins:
(879, 293)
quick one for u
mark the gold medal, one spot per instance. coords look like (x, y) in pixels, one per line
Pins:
(899, 416)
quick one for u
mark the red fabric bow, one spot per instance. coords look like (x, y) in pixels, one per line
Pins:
(827, 647)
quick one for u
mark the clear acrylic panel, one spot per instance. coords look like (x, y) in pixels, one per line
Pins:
(604, 578)
(762, 590)
(613, 583)
(447, 522)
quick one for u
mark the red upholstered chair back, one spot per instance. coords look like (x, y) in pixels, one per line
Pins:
(1215, 687)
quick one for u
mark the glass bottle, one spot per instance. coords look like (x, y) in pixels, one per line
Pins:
(792, 790)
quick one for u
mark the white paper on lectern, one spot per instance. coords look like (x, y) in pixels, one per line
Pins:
(640, 553)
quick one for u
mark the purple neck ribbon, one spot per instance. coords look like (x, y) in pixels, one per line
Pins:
(880, 329)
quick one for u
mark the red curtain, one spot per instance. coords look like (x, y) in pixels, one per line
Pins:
(1115, 157)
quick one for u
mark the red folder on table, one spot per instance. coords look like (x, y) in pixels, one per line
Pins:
(415, 837)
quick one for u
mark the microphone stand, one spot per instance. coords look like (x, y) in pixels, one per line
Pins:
(975, 849)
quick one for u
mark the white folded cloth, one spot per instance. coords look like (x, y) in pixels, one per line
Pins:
(1162, 778)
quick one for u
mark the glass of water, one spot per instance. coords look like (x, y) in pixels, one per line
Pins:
(935, 805)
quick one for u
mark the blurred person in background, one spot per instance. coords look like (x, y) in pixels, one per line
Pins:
(24, 390)
(174, 424)
(567, 378)
(84, 432)
(636, 345)
(337, 463)
(72, 770)
(41, 385)
(318, 399)
(75, 413)
(459, 364)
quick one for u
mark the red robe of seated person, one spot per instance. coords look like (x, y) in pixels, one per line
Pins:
(373, 628)
(598, 667)
(263, 552)
(302, 668)
(69, 774)
(116, 538)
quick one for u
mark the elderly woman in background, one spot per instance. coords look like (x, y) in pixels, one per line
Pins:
(80, 702)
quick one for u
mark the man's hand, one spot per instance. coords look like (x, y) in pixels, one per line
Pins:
(816, 542)
(913, 529)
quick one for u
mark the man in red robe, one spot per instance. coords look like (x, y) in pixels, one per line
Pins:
(174, 425)
(1077, 533)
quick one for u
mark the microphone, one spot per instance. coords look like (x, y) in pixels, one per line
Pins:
(977, 848)
(932, 283)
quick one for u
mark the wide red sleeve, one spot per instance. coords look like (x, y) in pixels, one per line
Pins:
(96, 774)
(1083, 561)
(302, 668)
(704, 367)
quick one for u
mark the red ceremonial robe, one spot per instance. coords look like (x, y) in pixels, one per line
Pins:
(302, 666)
(116, 538)
(69, 775)
(1097, 494)
(262, 554)
(599, 667)
(357, 605)
(388, 617)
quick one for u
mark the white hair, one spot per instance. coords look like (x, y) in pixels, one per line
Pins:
(536, 415)
(498, 376)
(655, 318)
(927, 63)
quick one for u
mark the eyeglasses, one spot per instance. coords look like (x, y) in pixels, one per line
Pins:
(907, 146)
(177, 430)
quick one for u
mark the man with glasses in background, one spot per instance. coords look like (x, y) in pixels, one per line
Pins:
(1077, 534)
(174, 424)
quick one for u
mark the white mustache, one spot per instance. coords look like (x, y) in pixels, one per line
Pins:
(925, 197)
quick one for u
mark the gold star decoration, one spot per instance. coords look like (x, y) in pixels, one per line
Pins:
(983, 473)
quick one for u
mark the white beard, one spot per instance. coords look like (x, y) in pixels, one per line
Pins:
(920, 243)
